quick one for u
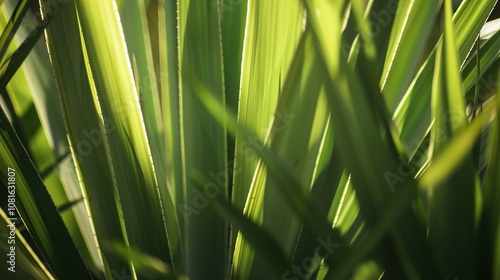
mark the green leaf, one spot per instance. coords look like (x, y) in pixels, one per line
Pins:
(414, 22)
(265, 245)
(451, 208)
(127, 146)
(48, 137)
(489, 238)
(357, 132)
(12, 26)
(270, 42)
(280, 173)
(199, 25)
(454, 153)
(478, 73)
(140, 52)
(146, 265)
(296, 138)
(35, 207)
(85, 133)
(413, 114)
(13, 62)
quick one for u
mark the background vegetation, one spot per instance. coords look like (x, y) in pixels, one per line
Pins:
(250, 139)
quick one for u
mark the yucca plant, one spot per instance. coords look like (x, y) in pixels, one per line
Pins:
(249, 139)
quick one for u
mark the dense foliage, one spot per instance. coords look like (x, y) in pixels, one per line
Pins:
(249, 139)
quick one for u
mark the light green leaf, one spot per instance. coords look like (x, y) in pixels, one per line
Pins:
(451, 208)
